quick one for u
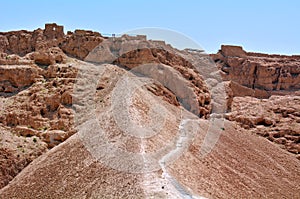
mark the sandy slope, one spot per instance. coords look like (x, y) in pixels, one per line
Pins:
(242, 165)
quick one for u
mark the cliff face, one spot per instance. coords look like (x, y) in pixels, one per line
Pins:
(264, 74)
(260, 76)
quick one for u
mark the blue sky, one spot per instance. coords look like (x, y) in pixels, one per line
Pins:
(261, 26)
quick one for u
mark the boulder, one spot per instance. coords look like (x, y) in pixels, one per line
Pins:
(48, 57)
(16, 77)
(54, 137)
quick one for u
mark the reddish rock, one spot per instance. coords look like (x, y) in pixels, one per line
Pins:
(22, 42)
(233, 51)
(25, 131)
(276, 118)
(3, 43)
(272, 73)
(54, 31)
(80, 43)
(66, 98)
(48, 57)
(123, 52)
(37, 76)
(54, 137)
(16, 152)
(16, 77)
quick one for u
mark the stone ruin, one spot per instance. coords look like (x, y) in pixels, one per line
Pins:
(54, 31)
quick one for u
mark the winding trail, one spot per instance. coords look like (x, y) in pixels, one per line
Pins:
(153, 185)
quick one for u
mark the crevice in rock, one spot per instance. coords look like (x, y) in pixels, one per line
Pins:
(254, 77)
(264, 123)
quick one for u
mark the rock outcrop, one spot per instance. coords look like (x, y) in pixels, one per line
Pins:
(23, 50)
(16, 152)
(45, 104)
(80, 43)
(35, 113)
(16, 77)
(276, 118)
(77, 44)
(48, 57)
(270, 73)
(49, 91)
(134, 52)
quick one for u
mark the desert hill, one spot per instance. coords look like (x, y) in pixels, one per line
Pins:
(88, 116)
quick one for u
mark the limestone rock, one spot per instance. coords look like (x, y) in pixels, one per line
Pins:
(3, 43)
(40, 93)
(80, 43)
(25, 131)
(54, 137)
(45, 105)
(16, 152)
(276, 118)
(77, 44)
(48, 57)
(16, 77)
(233, 51)
(66, 98)
(135, 53)
(272, 73)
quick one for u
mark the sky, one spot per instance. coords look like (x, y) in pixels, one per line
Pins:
(268, 26)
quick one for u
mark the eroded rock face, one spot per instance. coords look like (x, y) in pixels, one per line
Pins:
(10, 166)
(276, 118)
(16, 77)
(77, 44)
(22, 51)
(259, 71)
(38, 71)
(48, 57)
(135, 53)
(42, 106)
(199, 97)
(16, 152)
(80, 43)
